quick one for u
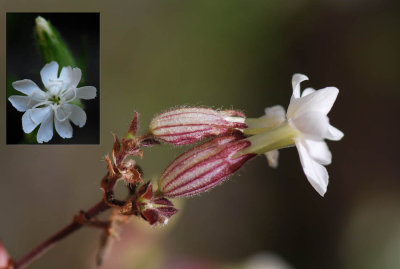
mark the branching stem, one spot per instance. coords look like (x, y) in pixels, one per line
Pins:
(60, 235)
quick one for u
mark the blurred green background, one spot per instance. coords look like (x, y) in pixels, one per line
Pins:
(227, 54)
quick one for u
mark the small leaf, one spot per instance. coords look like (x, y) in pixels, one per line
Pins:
(134, 126)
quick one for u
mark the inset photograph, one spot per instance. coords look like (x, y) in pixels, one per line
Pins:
(53, 78)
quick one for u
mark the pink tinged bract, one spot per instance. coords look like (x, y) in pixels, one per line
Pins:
(204, 166)
(155, 210)
(5, 259)
(188, 125)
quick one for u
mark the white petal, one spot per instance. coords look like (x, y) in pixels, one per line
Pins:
(315, 172)
(292, 108)
(38, 115)
(334, 133)
(296, 80)
(319, 151)
(77, 114)
(87, 92)
(21, 103)
(76, 77)
(49, 72)
(39, 96)
(273, 117)
(63, 128)
(321, 101)
(26, 86)
(69, 95)
(60, 114)
(307, 92)
(66, 76)
(45, 132)
(28, 125)
(272, 157)
(313, 125)
(277, 112)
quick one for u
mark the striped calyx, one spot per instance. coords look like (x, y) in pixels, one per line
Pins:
(204, 166)
(190, 124)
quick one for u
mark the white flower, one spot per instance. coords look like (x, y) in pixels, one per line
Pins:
(41, 107)
(306, 125)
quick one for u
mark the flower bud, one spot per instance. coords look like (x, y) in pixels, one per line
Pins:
(188, 125)
(155, 210)
(204, 166)
(51, 45)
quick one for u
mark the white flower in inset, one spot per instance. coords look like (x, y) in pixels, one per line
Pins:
(306, 125)
(41, 107)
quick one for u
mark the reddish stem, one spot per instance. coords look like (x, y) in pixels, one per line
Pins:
(53, 240)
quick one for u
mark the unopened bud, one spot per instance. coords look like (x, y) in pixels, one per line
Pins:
(155, 210)
(188, 125)
(204, 166)
(51, 45)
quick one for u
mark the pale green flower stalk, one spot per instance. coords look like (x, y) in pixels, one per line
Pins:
(50, 44)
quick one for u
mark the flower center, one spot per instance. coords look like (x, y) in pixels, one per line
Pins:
(55, 99)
